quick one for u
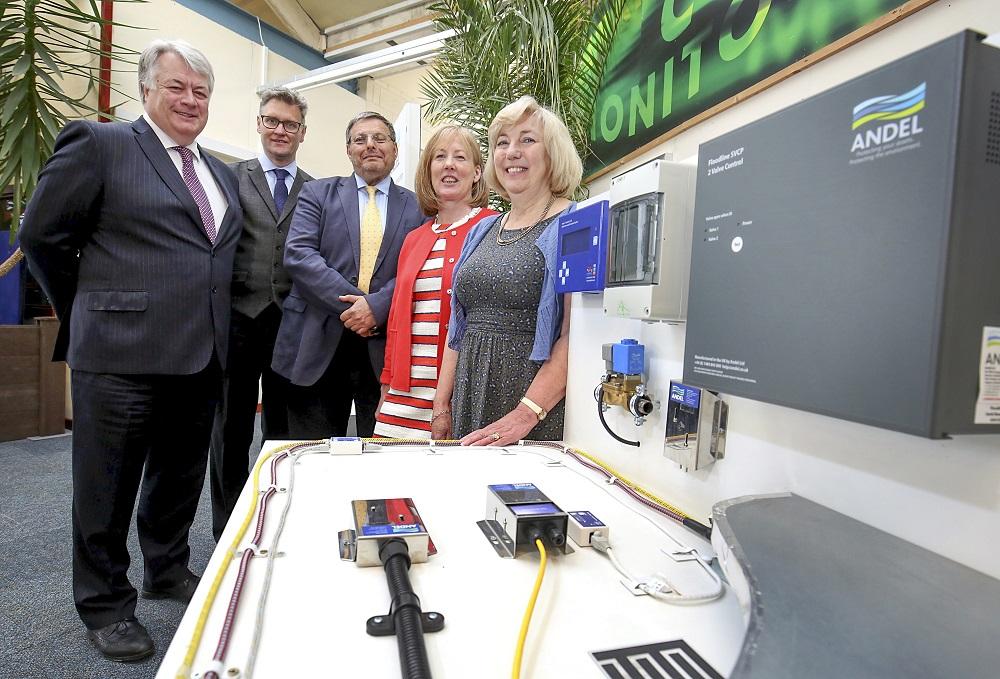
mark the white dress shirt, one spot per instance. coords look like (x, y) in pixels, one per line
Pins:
(268, 167)
(381, 198)
(216, 199)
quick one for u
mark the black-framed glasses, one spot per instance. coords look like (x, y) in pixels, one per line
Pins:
(362, 139)
(291, 126)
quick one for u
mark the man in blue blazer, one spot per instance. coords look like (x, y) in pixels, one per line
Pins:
(131, 232)
(341, 255)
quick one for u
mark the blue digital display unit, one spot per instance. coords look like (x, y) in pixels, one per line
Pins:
(682, 393)
(583, 249)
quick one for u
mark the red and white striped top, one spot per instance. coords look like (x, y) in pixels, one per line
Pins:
(407, 414)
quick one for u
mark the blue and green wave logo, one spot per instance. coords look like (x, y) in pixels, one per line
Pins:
(992, 341)
(890, 106)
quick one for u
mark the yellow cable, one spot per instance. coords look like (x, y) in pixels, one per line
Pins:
(519, 651)
(185, 669)
(637, 488)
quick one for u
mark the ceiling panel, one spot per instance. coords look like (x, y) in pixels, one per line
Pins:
(261, 10)
(326, 13)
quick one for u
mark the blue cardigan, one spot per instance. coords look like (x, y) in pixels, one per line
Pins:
(550, 306)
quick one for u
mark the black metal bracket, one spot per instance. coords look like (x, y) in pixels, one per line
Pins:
(385, 626)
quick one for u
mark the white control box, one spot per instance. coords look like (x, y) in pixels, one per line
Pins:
(649, 242)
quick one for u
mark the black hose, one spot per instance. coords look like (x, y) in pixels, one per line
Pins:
(699, 528)
(600, 414)
(405, 610)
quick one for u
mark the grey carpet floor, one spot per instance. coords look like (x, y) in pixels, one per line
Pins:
(41, 636)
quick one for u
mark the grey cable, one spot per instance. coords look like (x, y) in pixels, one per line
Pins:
(258, 628)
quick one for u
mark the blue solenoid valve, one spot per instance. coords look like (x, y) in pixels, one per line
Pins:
(622, 383)
(627, 357)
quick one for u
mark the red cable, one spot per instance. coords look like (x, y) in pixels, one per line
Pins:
(241, 575)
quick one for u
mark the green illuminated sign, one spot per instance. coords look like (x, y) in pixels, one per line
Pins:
(673, 59)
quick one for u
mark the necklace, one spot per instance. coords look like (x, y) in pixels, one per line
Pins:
(438, 227)
(521, 233)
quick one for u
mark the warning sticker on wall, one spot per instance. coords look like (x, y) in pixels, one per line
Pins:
(988, 403)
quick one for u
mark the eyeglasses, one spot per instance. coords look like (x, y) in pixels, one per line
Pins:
(291, 126)
(362, 139)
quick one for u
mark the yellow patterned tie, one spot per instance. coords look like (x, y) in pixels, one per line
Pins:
(371, 241)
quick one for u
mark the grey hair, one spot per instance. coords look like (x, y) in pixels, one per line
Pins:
(290, 97)
(195, 60)
(368, 115)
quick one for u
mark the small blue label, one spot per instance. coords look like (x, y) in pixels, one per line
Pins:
(388, 529)
(586, 519)
(681, 393)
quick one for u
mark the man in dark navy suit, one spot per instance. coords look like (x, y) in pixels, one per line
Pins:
(341, 254)
(131, 233)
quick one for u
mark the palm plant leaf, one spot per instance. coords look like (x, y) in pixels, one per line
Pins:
(41, 42)
(554, 50)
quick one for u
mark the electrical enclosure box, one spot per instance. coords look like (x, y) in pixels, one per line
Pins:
(649, 242)
(583, 249)
(697, 421)
(846, 254)
(378, 520)
(516, 514)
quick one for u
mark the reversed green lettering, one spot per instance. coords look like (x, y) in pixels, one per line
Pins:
(613, 105)
(730, 47)
(639, 107)
(668, 87)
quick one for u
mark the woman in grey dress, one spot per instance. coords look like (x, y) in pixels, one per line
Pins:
(503, 375)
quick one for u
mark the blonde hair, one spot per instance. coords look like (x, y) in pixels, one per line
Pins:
(565, 166)
(424, 187)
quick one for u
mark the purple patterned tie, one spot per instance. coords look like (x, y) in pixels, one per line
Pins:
(197, 191)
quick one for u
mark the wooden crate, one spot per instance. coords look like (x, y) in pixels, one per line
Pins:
(32, 387)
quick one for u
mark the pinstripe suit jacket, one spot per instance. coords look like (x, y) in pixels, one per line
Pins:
(259, 277)
(116, 241)
(322, 255)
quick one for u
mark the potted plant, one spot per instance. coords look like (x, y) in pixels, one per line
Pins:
(503, 49)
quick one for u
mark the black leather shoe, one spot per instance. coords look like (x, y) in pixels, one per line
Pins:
(123, 641)
(182, 591)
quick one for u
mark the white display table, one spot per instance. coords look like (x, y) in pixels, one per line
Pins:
(317, 606)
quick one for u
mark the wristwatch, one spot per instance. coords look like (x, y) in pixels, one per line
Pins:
(539, 411)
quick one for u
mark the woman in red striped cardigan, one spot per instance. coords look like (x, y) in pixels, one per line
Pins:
(449, 185)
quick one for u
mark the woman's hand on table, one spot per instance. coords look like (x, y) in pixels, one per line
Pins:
(509, 429)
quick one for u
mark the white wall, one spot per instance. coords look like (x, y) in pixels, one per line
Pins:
(942, 495)
(389, 93)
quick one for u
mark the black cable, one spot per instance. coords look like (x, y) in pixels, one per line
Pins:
(698, 527)
(405, 610)
(600, 414)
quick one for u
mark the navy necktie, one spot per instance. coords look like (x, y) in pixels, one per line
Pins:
(280, 189)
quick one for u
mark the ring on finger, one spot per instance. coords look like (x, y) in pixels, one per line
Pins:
(495, 436)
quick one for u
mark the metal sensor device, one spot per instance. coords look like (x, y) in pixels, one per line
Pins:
(517, 514)
(376, 521)
(696, 426)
